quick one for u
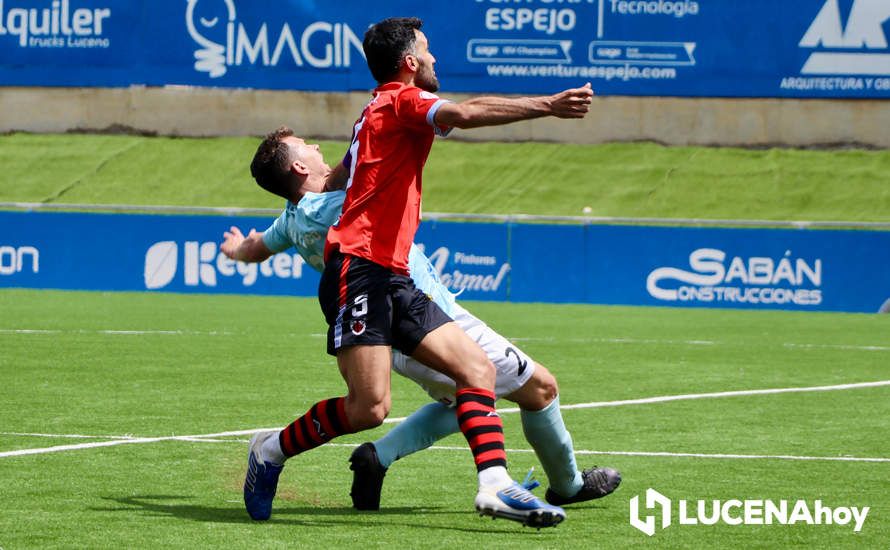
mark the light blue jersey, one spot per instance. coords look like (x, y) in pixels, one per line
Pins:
(305, 225)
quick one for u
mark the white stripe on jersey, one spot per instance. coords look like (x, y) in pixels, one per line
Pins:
(353, 151)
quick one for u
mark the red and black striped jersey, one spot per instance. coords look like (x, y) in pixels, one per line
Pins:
(390, 145)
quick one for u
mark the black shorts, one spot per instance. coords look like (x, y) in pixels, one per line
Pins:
(366, 304)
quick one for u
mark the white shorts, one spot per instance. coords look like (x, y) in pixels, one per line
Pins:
(513, 367)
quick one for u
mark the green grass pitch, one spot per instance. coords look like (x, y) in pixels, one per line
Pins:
(161, 365)
(617, 179)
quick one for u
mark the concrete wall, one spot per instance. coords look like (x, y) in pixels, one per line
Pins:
(181, 111)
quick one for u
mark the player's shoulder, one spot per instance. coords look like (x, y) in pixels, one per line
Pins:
(315, 206)
(413, 93)
(399, 91)
(315, 201)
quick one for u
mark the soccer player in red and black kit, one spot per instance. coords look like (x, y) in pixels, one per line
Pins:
(366, 294)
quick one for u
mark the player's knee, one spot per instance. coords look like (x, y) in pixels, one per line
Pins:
(367, 415)
(547, 387)
(377, 414)
(539, 392)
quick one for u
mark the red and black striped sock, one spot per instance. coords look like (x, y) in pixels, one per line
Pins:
(482, 427)
(321, 423)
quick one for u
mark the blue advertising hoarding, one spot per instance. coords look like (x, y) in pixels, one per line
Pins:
(139, 252)
(805, 270)
(712, 48)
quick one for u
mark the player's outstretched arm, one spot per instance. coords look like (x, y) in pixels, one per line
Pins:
(244, 249)
(494, 111)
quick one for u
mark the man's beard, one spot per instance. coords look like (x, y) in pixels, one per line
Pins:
(426, 80)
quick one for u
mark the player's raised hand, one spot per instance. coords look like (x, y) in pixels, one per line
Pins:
(244, 249)
(572, 103)
(232, 239)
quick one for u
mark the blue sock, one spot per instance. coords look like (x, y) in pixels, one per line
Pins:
(421, 429)
(547, 434)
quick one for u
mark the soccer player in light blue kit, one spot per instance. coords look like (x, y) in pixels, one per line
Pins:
(314, 204)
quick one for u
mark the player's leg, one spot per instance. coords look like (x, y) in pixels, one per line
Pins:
(431, 422)
(419, 430)
(534, 389)
(429, 336)
(370, 461)
(523, 381)
(366, 372)
(545, 430)
(518, 377)
(359, 329)
(450, 351)
(268, 451)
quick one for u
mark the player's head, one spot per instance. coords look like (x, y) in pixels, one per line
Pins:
(395, 47)
(288, 166)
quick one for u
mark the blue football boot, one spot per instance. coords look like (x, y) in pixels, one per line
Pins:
(517, 503)
(261, 479)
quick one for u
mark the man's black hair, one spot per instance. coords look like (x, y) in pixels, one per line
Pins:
(386, 43)
(271, 164)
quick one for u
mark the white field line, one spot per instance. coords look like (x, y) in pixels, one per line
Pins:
(735, 456)
(664, 454)
(116, 332)
(126, 441)
(69, 436)
(838, 346)
(208, 439)
(197, 438)
(123, 440)
(635, 341)
(715, 395)
(615, 341)
(683, 455)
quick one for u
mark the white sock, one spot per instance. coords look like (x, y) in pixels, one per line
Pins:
(496, 477)
(271, 451)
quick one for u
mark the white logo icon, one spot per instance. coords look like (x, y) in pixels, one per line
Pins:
(160, 264)
(864, 29)
(653, 499)
(319, 429)
(215, 55)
